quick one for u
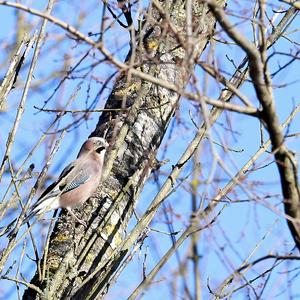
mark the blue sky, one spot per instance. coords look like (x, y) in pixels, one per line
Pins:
(245, 230)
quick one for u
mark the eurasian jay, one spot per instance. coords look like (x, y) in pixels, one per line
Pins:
(77, 182)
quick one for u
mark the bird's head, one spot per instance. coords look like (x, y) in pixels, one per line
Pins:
(97, 144)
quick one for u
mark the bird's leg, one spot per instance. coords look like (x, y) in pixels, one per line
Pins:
(76, 218)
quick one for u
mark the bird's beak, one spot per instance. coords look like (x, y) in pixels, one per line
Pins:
(101, 147)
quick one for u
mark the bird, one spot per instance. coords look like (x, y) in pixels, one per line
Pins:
(76, 183)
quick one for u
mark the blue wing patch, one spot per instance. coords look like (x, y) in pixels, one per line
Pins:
(76, 183)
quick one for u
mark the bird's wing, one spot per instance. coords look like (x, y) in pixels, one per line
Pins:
(52, 191)
(65, 183)
(66, 170)
(81, 177)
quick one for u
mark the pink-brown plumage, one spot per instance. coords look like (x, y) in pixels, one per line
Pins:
(77, 182)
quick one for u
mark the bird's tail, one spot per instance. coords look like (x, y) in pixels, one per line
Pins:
(38, 208)
(8, 229)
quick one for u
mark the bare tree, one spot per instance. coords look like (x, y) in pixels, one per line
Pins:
(179, 82)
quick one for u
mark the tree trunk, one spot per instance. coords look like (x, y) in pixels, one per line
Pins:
(135, 132)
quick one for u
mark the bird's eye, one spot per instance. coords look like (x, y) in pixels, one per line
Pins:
(100, 149)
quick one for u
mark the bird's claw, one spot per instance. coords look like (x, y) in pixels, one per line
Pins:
(82, 223)
(77, 219)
